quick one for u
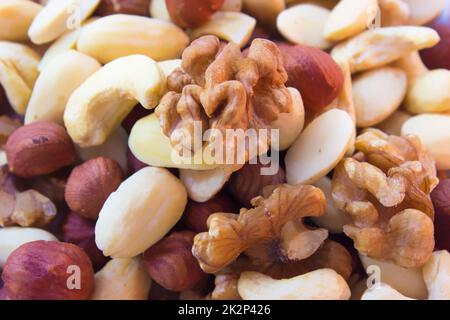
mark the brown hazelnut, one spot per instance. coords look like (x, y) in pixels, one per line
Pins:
(48, 270)
(196, 214)
(136, 7)
(81, 231)
(314, 73)
(134, 164)
(248, 182)
(192, 13)
(39, 148)
(441, 201)
(171, 264)
(90, 184)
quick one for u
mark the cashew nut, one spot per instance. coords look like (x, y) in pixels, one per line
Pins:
(436, 274)
(16, 17)
(18, 73)
(321, 284)
(203, 185)
(56, 83)
(100, 104)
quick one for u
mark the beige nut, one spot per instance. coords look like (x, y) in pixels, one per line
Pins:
(230, 26)
(151, 146)
(265, 12)
(100, 104)
(394, 13)
(321, 284)
(122, 279)
(319, 147)
(140, 212)
(377, 94)
(120, 35)
(13, 237)
(423, 11)
(16, 17)
(407, 281)
(381, 46)
(290, 124)
(115, 148)
(56, 83)
(348, 18)
(158, 10)
(304, 24)
(393, 124)
(168, 66)
(381, 291)
(434, 132)
(58, 17)
(18, 73)
(203, 185)
(334, 219)
(436, 274)
(64, 43)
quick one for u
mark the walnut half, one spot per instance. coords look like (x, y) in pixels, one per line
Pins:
(220, 89)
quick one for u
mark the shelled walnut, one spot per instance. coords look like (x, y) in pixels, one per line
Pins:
(385, 188)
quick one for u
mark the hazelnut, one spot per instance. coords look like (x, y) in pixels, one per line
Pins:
(248, 182)
(441, 201)
(48, 270)
(192, 13)
(135, 7)
(196, 213)
(39, 148)
(171, 264)
(81, 231)
(134, 164)
(314, 73)
(90, 184)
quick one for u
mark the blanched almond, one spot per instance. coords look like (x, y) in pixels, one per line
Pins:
(16, 17)
(423, 11)
(203, 185)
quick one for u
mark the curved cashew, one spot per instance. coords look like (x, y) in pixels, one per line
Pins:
(322, 284)
(56, 83)
(59, 16)
(16, 17)
(203, 185)
(18, 73)
(382, 291)
(100, 104)
(436, 274)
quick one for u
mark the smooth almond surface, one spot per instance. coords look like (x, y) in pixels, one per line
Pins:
(16, 17)
(423, 11)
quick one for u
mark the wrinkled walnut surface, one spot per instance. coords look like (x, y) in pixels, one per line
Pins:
(222, 90)
(385, 188)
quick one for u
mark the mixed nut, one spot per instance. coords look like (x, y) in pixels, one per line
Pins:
(225, 149)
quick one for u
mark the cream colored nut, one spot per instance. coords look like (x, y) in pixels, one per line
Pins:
(13, 237)
(230, 26)
(140, 212)
(348, 18)
(304, 24)
(203, 185)
(151, 146)
(158, 10)
(381, 46)
(344, 101)
(120, 35)
(319, 147)
(434, 131)
(381, 291)
(232, 5)
(321, 284)
(265, 12)
(122, 279)
(100, 104)
(64, 43)
(334, 219)
(58, 17)
(290, 124)
(115, 147)
(168, 66)
(18, 73)
(436, 274)
(56, 83)
(423, 11)
(377, 94)
(3, 159)
(407, 281)
(16, 17)
(393, 13)
(393, 124)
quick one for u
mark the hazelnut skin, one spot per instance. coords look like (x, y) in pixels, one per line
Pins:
(441, 201)
(47, 270)
(192, 13)
(90, 184)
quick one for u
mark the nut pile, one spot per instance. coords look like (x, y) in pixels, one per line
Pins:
(119, 178)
